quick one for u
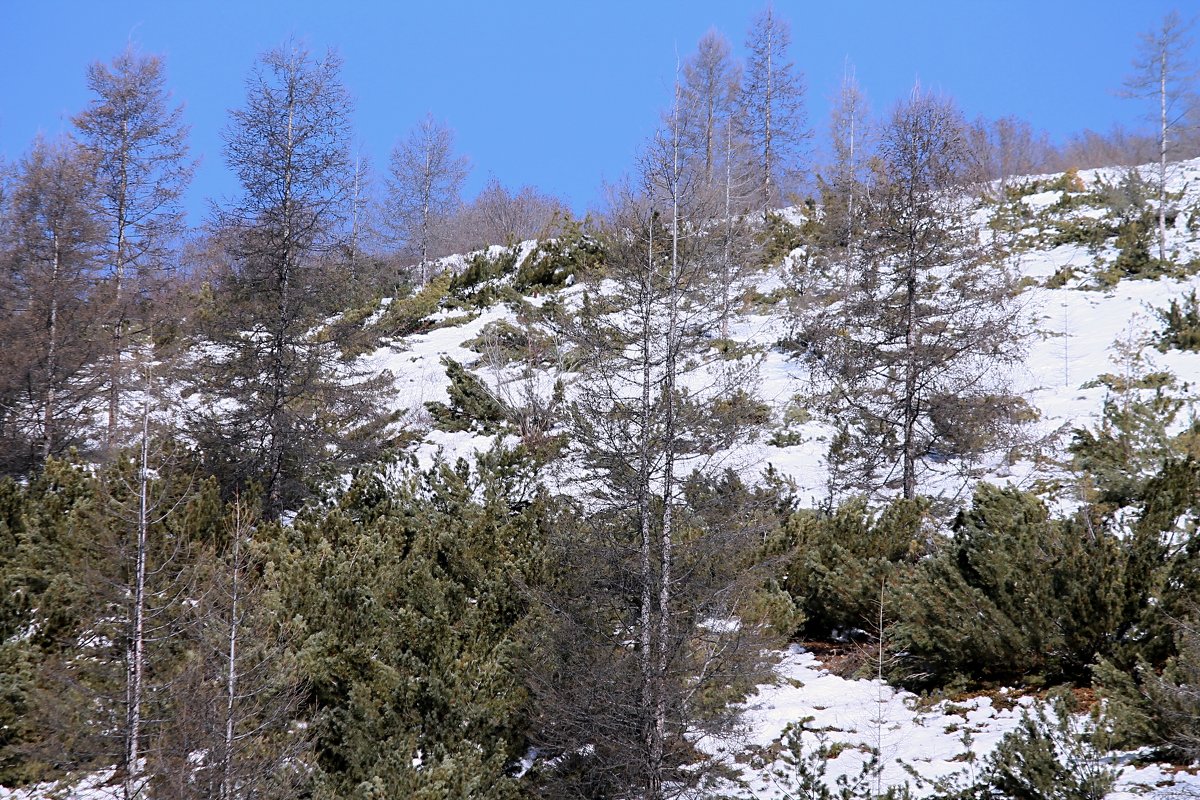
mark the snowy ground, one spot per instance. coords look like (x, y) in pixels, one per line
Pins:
(1074, 341)
(1076, 332)
(856, 716)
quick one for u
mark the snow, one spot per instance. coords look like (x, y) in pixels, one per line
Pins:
(1076, 328)
(868, 714)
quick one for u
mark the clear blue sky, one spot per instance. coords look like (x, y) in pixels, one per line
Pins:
(561, 94)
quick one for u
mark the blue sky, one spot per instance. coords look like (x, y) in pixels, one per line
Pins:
(561, 94)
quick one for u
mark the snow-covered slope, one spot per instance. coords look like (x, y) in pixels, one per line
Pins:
(1078, 324)
(1076, 327)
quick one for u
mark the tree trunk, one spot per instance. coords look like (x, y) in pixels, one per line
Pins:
(1162, 160)
(51, 355)
(277, 431)
(136, 662)
(646, 621)
(231, 655)
(767, 100)
(114, 375)
(910, 384)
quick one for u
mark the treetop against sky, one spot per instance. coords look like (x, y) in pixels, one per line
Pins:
(561, 95)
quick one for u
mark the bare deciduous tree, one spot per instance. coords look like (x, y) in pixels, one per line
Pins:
(648, 619)
(843, 186)
(917, 349)
(710, 89)
(232, 733)
(137, 144)
(51, 264)
(424, 185)
(499, 216)
(295, 404)
(1162, 71)
(772, 107)
(1009, 147)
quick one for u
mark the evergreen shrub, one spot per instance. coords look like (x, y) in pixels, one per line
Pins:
(1014, 596)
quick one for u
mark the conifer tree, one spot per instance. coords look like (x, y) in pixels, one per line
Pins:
(299, 407)
(1016, 595)
(51, 245)
(136, 143)
(413, 596)
(915, 348)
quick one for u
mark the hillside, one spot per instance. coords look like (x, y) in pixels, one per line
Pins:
(1086, 320)
(1078, 316)
(1093, 317)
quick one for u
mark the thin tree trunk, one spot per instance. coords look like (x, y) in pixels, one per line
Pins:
(665, 611)
(279, 388)
(910, 384)
(726, 265)
(646, 656)
(231, 675)
(136, 662)
(767, 166)
(114, 375)
(51, 355)
(1162, 160)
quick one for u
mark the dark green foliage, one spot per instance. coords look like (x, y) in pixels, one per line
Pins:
(1133, 259)
(1162, 573)
(68, 613)
(476, 285)
(836, 566)
(1143, 682)
(1015, 596)
(1050, 756)
(41, 602)
(1087, 231)
(778, 237)
(407, 315)
(1132, 439)
(554, 262)
(412, 601)
(1157, 707)
(1181, 324)
(472, 406)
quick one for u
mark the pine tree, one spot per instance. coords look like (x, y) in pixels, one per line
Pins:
(413, 594)
(1015, 596)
